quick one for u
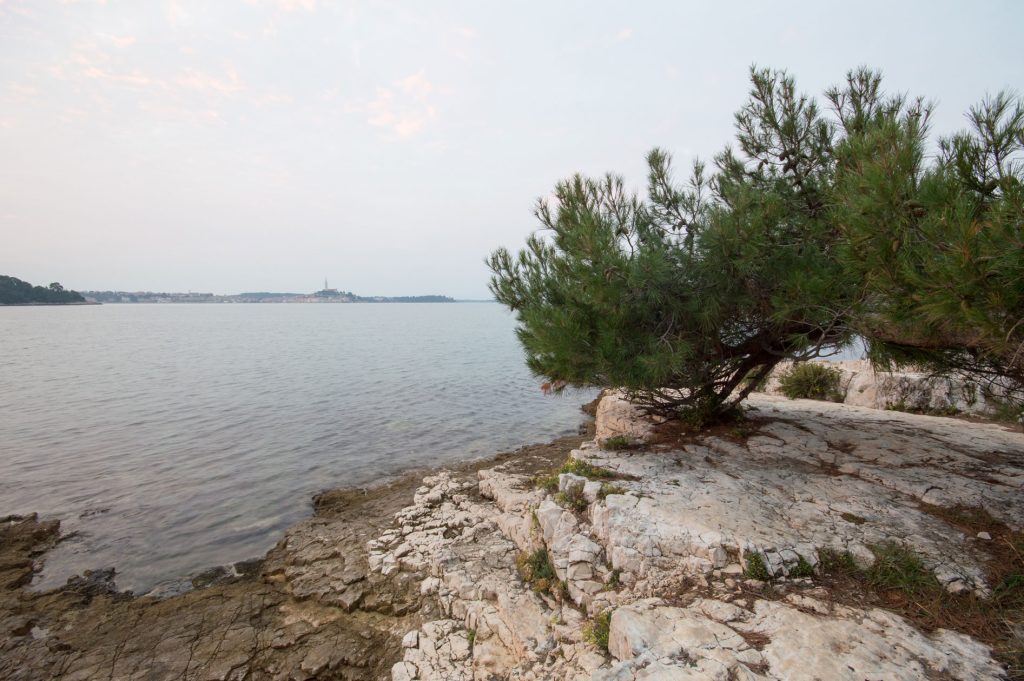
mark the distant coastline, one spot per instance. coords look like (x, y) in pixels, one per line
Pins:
(14, 291)
(77, 302)
(328, 296)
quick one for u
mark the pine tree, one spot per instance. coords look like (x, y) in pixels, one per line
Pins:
(687, 297)
(814, 229)
(937, 244)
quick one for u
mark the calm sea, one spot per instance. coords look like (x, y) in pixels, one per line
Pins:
(172, 438)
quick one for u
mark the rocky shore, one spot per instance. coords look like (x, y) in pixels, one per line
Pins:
(758, 551)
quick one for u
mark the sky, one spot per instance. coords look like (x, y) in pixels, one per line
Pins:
(242, 145)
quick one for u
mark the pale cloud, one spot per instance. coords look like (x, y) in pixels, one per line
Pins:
(290, 5)
(18, 7)
(121, 42)
(416, 85)
(461, 42)
(405, 108)
(133, 78)
(623, 35)
(201, 81)
(22, 91)
(175, 13)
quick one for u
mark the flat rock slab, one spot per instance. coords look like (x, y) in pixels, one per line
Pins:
(714, 640)
(815, 475)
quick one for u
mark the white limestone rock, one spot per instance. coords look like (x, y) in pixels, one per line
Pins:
(817, 475)
(615, 417)
(706, 641)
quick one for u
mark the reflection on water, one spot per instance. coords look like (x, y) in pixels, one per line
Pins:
(175, 437)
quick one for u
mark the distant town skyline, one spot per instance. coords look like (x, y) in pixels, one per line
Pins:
(264, 144)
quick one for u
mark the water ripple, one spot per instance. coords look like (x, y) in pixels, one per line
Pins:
(177, 437)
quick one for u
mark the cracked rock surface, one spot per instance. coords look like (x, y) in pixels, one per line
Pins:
(665, 552)
(313, 610)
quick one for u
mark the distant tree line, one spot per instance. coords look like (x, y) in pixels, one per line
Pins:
(405, 299)
(14, 291)
(819, 225)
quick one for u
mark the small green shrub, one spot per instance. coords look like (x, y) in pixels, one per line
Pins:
(813, 381)
(547, 482)
(803, 568)
(607, 489)
(613, 577)
(899, 568)
(585, 469)
(756, 567)
(834, 562)
(572, 499)
(471, 636)
(536, 570)
(596, 630)
(616, 443)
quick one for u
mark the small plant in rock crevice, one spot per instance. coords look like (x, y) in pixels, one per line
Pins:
(756, 568)
(586, 469)
(833, 561)
(572, 499)
(609, 489)
(616, 443)
(537, 570)
(597, 630)
(803, 568)
(900, 569)
(549, 481)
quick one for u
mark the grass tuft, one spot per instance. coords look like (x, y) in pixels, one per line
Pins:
(803, 568)
(537, 570)
(608, 489)
(756, 567)
(585, 469)
(833, 562)
(616, 443)
(572, 499)
(549, 481)
(596, 630)
(898, 568)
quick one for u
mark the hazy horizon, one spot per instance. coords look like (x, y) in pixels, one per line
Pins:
(262, 145)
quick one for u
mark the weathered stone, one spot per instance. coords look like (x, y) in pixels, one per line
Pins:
(569, 483)
(705, 509)
(617, 418)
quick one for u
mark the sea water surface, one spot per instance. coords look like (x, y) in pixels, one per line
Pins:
(173, 438)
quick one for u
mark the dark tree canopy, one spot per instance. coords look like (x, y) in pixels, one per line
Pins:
(814, 228)
(937, 245)
(14, 291)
